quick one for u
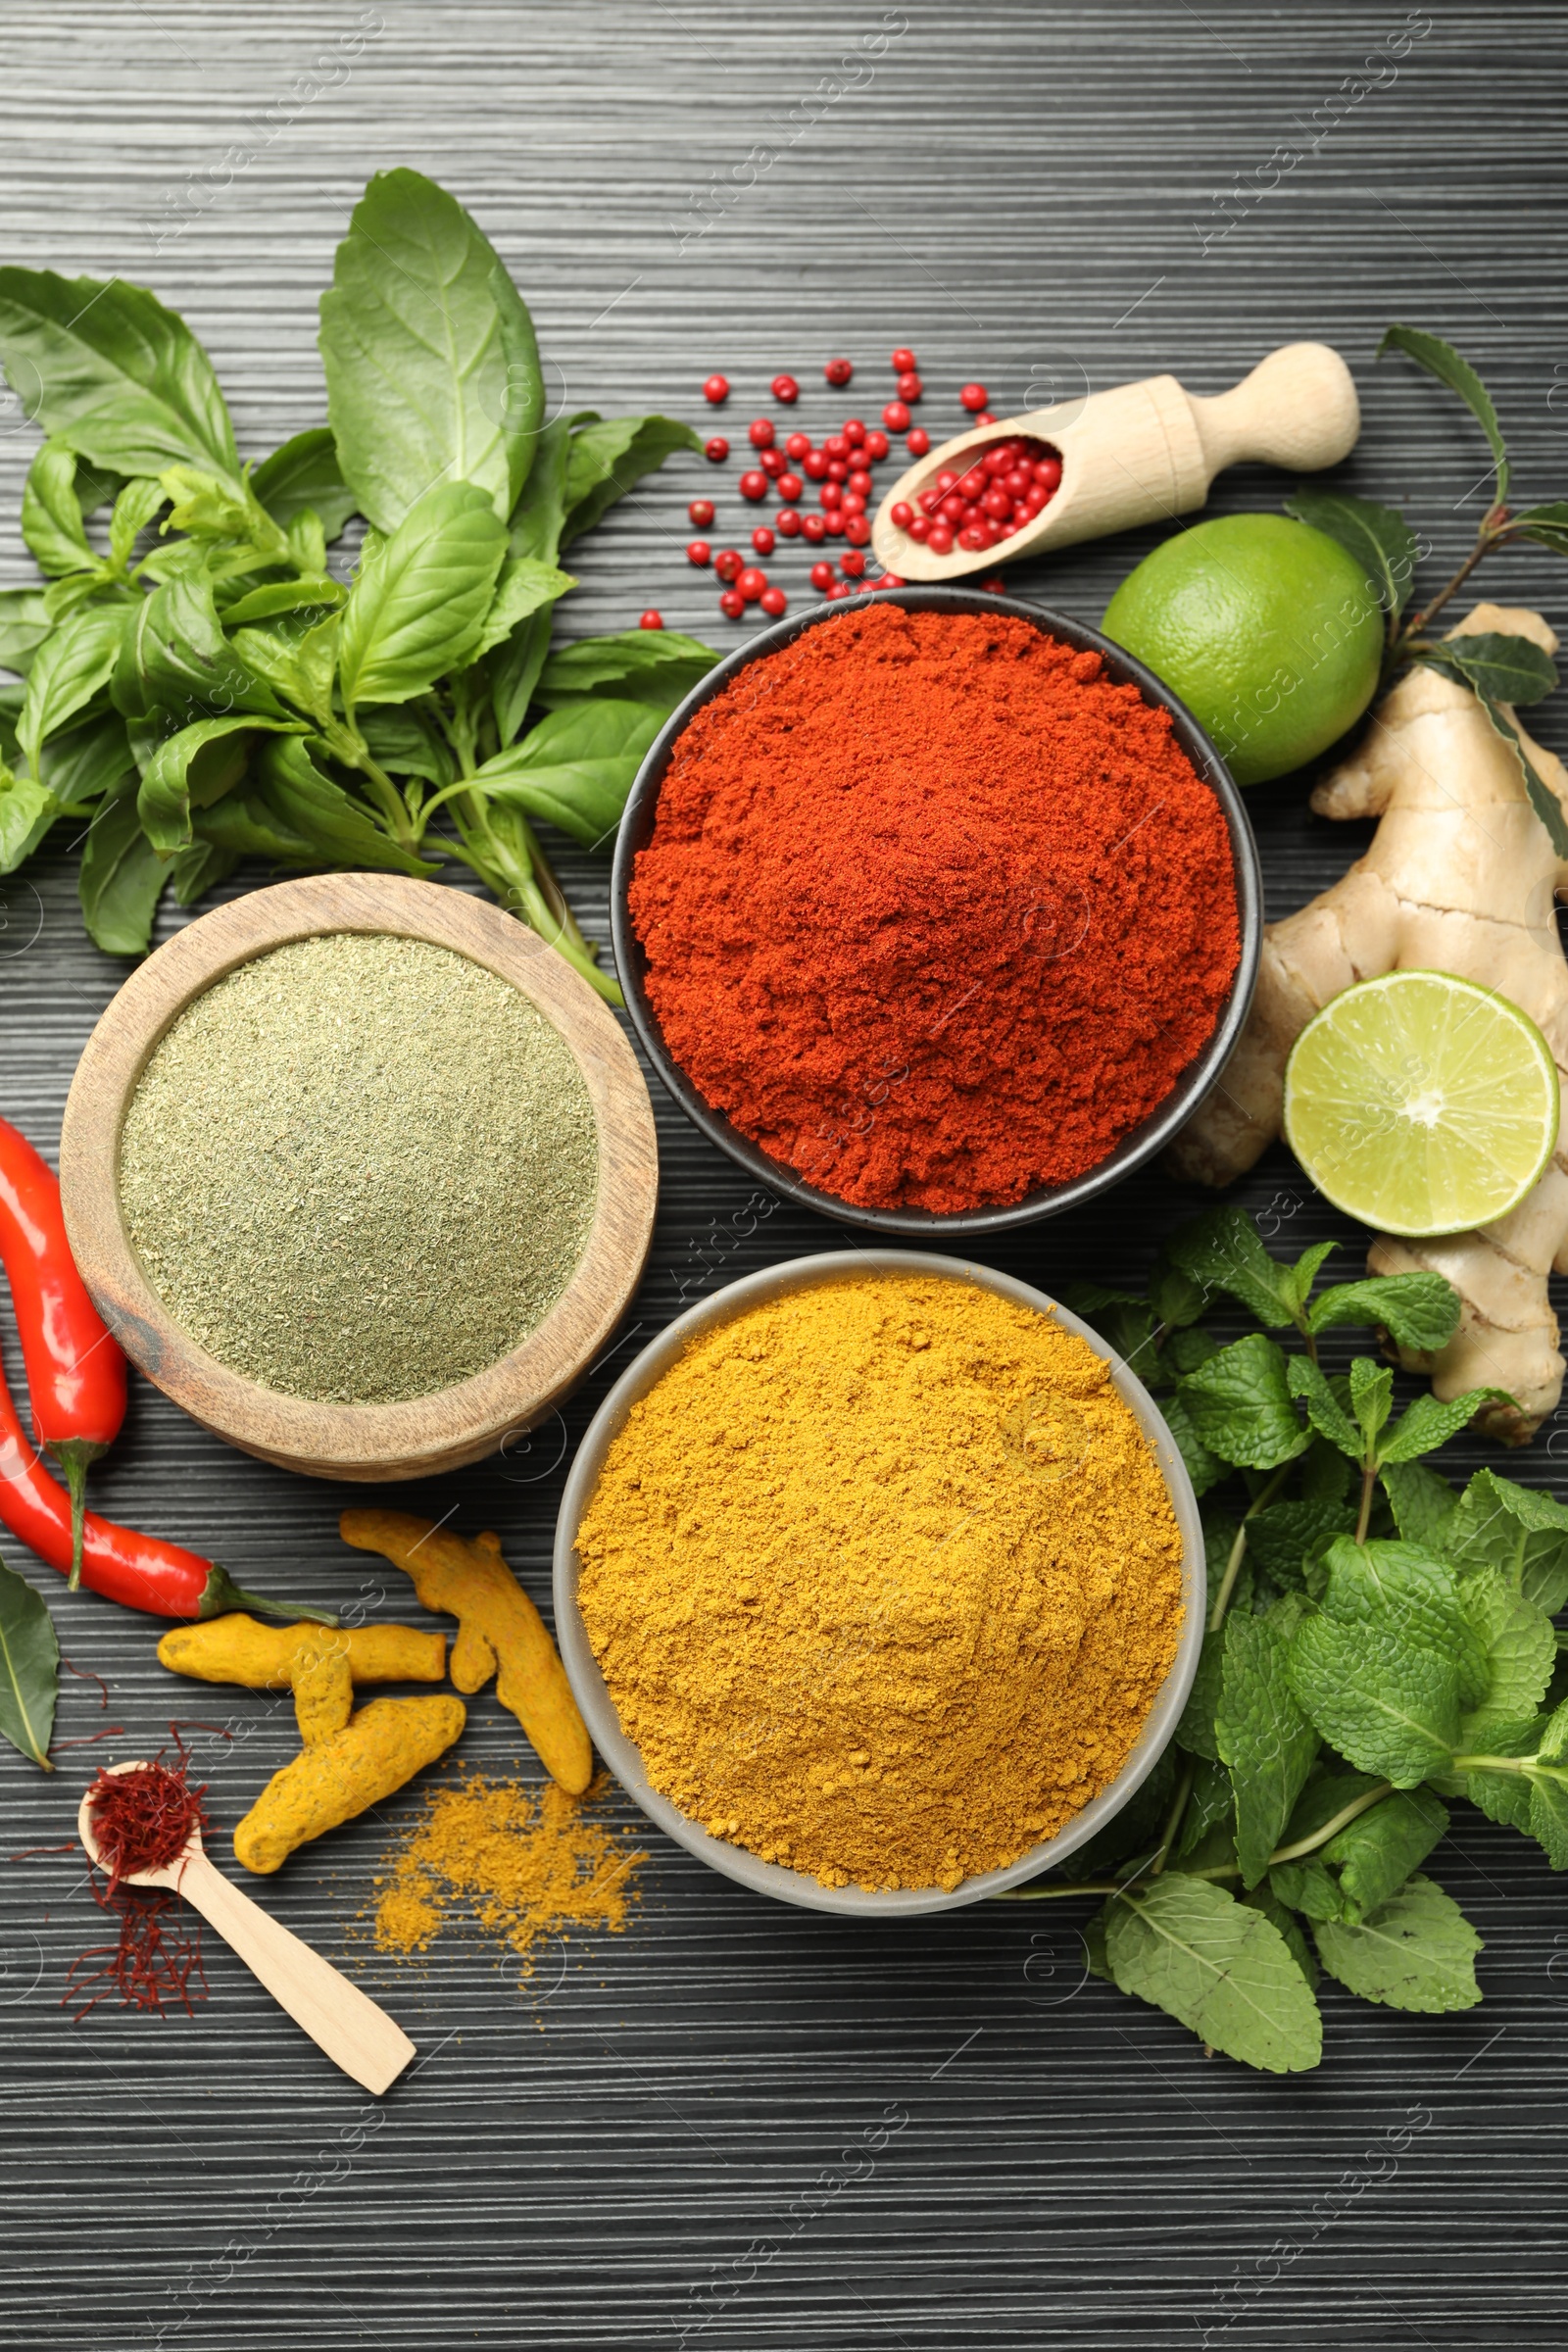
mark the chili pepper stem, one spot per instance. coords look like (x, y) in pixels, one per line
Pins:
(221, 1594)
(75, 1455)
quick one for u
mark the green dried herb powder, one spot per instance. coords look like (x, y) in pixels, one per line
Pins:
(359, 1168)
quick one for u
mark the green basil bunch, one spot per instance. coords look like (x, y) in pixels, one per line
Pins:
(1378, 1646)
(209, 690)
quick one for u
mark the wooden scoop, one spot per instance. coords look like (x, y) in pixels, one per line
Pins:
(343, 2021)
(1141, 453)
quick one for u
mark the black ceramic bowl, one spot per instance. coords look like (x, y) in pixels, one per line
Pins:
(1143, 1140)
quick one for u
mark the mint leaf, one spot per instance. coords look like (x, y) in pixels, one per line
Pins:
(1240, 1404)
(1195, 1733)
(1388, 1706)
(1296, 1282)
(1373, 1855)
(1405, 1592)
(1419, 1310)
(1371, 1399)
(1439, 359)
(1548, 1814)
(30, 1669)
(1381, 541)
(1221, 1250)
(120, 379)
(1203, 1468)
(1217, 1965)
(1281, 1536)
(1431, 1421)
(1519, 1655)
(1265, 1899)
(1415, 1951)
(1263, 1735)
(1421, 1501)
(1522, 1531)
(1323, 1408)
(1209, 1806)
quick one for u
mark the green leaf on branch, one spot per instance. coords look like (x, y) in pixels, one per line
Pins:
(51, 512)
(606, 457)
(176, 667)
(1439, 359)
(25, 623)
(1420, 1310)
(1265, 1899)
(1371, 1400)
(106, 369)
(1381, 541)
(432, 372)
(1221, 1967)
(305, 474)
(27, 809)
(1415, 1951)
(1203, 1468)
(1280, 1537)
(1521, 1530)
(1495, 665)
(1323, 1408)
(1372, 1856)
(30, 1669)
(72, 666)
(1548, 525)
(1263, 1735)
(135, 509)
(1221, 1250)
(1519, 1654)
(524, 586)
(1240, 1407)
(199, 764)
(122, 877)
(576, 766)
(332, 827)
(655, 665)
(1408, 1594)
(1390, 1706)
(1431, 1421)
(417, 604)
(1421, 1501)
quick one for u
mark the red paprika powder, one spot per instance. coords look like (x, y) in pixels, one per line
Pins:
(933, 910)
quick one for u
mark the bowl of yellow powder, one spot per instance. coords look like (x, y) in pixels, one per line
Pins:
(880, 1582)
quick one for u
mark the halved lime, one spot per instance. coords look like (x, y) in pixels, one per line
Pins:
(1422, 1103)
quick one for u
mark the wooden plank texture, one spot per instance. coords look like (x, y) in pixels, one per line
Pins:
(737, 2125)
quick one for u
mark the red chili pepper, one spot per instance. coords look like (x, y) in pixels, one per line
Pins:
(75, 1368)
(141, 1571)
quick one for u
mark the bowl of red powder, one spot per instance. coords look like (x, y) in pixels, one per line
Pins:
(936, 911)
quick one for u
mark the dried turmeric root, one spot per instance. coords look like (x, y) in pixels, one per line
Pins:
(322, 1663)
(501, 1633)
(1460, 877)
(337, 1776)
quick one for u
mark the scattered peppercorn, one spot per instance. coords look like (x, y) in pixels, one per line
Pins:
(896, 416)
(903, 362)
(787, 520)
(716, 389)
(786, 389)
(919, 442)
(839, 371)
(732, 604)
(760, 432)
(973, 396)
(652, 619)
(910, 386)
(698, 551)
(729, 563)
(853, 564)
(701, 510)
(717, 450)
(751, 582)
(773, 602)
(752, 485)
(763, 540)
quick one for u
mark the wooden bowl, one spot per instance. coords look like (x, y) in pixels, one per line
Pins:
(456, 1425)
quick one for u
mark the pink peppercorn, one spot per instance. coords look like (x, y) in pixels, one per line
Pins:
(786, 389)
(918, 443)
(698, 551)
(773, 602)
(902, 512)
(787, 523)
(716, 389)
(821, 576)
(853, 564)
(729, 563)
(701, 510)
(973, 396)
(763, 540)
(750, 583)
(904, 362)
(760, 432)
(839, 371)
(790, 486)
(813, 528)
(797, 445)
(896, 416)
(652, 619)
(877, 445)
(732, 604)
(774, 464)
(752, 485)
(717, 450)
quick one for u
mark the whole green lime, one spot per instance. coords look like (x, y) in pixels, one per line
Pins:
(1264, 627)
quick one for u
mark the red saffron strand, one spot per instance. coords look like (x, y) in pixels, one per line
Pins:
(141, 1821)
(85, 1674)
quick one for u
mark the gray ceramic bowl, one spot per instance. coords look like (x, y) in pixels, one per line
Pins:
(1151, 1135)
(598, 1707)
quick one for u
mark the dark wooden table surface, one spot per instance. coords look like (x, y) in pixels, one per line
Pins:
(646, 2145)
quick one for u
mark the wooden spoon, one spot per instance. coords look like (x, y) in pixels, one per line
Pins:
(342, 2020)
(1141, 453)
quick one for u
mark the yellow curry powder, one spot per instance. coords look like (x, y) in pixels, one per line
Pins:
(883, 1580)
(520, 1861)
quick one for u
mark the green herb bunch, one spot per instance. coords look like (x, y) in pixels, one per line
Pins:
(200, 688)
(1503, 671)
(1378, 1646)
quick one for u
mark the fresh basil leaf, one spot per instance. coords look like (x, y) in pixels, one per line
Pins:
(197, 766)
(200, 867)
(606, 458)
(334, 829)
(432, 374)
(300, 663)
(1203, 1468)
(576, 766)
(318, 592)
(121, 876)
(1439, 359)
(81, 766)
(27, 809)
(205, 505)
(524, 586)
(1415, 1951)
(1381, 541)
(30, 1669)
(304, 474)
(540, 515)
(420, 597)
(1431, 1421)
(1421, 1501)
(655, 665)
(1419, 1310)
(25, 623)
(69, 670)
(1240, 1407)
(1387, 1705)
(62, 597)
(1221, 1968)
(1548, 525)
(51, 512)
(406, 742)
(176, 665)
(135, 509)
(1221, 1250)
(117, 378)
(1521, 1530)
(1263, 1735)
(1519, 1654)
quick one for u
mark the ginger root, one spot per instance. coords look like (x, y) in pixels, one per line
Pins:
(501, 1632)
(343, 1771)
(1461, 877)
(350, 1761)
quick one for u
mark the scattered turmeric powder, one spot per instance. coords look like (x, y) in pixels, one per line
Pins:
(500, 1631)
(521, 1862)
(883, 1580)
